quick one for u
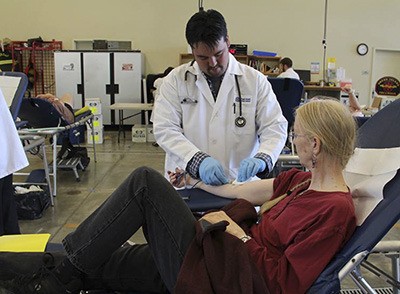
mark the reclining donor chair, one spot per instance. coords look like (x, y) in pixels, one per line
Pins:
(374, 137)
(45, 120)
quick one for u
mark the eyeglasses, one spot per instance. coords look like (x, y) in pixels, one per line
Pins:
(293, 135)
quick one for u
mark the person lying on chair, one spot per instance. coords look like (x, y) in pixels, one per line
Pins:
(63, 105)
(310, 218)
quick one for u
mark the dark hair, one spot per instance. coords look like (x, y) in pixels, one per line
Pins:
(286, 61)
(167, 71)
(207, 27)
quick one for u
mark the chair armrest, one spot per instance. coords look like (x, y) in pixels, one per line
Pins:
(386, 246)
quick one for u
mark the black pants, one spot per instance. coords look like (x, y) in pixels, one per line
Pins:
(8, 218)
(145, 199)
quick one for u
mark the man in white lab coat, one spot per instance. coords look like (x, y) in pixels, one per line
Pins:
(285, 66)
(216, 118)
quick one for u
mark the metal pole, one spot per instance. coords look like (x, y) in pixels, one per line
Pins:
(324, 42)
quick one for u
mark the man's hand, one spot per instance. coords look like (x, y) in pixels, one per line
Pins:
(249, 168)
(211, 172)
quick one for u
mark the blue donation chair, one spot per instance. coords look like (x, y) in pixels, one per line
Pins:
(288, 93)
(201, 201)
(18, 88)
(381, 131)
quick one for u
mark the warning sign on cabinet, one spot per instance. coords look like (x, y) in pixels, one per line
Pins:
(127, 66)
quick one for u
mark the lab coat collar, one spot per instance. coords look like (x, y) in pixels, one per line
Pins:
(228, 82)
(193, 69)
(201, 82)
(234, 66)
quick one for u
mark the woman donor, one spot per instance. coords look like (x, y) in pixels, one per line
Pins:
(305, 218)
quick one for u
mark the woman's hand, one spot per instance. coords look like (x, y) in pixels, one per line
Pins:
(347, 89)
(217, 216)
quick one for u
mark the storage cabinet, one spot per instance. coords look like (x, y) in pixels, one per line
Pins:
(114, 77)
(268, 65)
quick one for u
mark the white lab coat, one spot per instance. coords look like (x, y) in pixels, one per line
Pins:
(289, 73)
(13, 157)
(182, 129)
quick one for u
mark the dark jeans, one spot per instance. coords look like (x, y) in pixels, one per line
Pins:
(145, 199)
(8, 218)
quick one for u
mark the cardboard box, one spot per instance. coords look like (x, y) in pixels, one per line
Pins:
(376, 103)
(94, 105)
(98, 121)
(150, 134)
(98, 136)
(139, 134)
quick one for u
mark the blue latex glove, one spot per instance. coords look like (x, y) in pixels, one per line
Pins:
(211, 172)
(249, 167)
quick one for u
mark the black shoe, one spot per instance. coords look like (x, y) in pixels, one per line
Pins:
(14, 264)
(43, 281)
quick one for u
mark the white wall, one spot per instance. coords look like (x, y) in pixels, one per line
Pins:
(291, 28)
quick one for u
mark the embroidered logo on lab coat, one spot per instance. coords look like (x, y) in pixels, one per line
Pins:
(244, 100)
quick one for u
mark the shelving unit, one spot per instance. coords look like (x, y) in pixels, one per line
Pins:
(265, 64)
(268, 65)
(37, 62)
(312, 91)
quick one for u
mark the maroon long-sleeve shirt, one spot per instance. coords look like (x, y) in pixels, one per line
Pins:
(296, 239)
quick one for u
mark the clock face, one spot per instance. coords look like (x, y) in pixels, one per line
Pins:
(362, 49)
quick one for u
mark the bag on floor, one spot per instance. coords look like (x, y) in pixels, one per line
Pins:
(31, 205)
(70, 151)
(80, 152)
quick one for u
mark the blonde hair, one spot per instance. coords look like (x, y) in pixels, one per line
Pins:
(333, 124)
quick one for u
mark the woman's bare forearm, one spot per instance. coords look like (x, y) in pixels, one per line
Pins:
(256, 192)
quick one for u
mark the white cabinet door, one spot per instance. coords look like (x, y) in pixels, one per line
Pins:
(111, 76)
(96, 73)
(68, 76)
(128, 70)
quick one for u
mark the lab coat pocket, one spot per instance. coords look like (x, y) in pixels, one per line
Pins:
(248, 116)
(189, 111)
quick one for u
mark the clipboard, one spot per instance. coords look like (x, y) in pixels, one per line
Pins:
(24, 242)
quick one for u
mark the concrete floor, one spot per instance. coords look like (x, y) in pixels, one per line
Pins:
(76, 200)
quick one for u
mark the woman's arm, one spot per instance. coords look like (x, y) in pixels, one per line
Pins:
(256, 192)
(353, 101)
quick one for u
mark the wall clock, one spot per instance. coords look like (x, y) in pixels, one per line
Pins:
(362, 49)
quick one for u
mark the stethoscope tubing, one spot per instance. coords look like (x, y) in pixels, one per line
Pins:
(240, 121)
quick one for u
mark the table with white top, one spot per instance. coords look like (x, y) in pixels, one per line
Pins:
(130, 106)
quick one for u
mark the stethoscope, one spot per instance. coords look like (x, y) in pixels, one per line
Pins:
(189, 100)
(240, 121)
